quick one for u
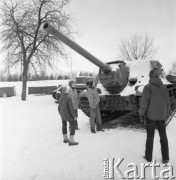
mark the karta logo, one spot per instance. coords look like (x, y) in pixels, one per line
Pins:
(112, 169)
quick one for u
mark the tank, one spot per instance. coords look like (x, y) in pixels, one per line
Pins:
(79, 86)
(120, 83)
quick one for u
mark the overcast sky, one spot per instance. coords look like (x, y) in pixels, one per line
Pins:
(103, 23)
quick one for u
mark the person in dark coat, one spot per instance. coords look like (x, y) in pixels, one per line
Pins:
(155, 107)
(67, 113)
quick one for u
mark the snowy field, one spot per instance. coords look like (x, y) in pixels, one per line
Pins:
(32, 147)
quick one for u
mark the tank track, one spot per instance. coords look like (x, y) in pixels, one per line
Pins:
(113, 103)
(136, 101)
(84, 106)
(113, 106)
(172, 95)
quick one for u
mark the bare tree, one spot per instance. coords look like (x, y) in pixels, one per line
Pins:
(137, 47)
(23, 37)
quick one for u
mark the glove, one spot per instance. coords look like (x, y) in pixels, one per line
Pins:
(142, 118)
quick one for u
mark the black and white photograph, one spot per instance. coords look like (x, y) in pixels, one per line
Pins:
(87, 89)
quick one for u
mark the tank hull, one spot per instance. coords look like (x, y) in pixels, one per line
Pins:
(113, 106)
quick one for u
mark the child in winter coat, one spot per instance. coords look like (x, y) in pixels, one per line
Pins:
(94, 99)
(72, 92)
(67, 114)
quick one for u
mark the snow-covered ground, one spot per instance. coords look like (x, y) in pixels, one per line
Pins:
(32, 147)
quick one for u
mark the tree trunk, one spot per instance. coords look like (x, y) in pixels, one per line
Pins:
(24, 84)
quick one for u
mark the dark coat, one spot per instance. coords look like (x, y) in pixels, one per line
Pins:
(155, 103)
(65, 108)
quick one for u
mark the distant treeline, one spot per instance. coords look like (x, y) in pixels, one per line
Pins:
(42, 76)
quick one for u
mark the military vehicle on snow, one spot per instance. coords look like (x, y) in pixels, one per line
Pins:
(121, 82)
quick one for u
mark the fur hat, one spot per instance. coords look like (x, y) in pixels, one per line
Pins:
(155, 73)
(63, 89)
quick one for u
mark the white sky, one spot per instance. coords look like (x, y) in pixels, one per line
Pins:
(103, 23)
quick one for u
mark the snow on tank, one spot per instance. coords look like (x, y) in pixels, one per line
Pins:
(139, 71)
(138, 75)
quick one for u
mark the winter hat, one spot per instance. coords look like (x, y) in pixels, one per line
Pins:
(154, 73)
(63, 89)
(71, 82)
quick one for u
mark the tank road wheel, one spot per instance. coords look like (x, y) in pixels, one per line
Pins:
(135, 102)
(111, 107)
(172, 95)
(106, 114)
(84, 105)
(172, 114)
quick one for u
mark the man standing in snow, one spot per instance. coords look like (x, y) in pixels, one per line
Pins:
(155, 107)
(72, 92)
(67, 113)
(94, 99)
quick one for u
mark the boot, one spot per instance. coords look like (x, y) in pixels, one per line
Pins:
(77, 128)
(100, 129)
(93, 130)
(148, 160)
(71, 141)
(165, 161)
(66, 140)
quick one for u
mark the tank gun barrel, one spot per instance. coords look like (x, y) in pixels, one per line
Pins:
(51, 30)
